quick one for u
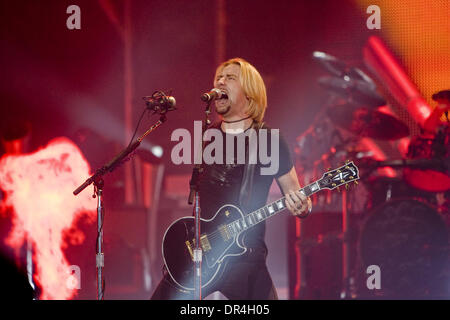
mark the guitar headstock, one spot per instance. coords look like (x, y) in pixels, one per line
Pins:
(343, 175)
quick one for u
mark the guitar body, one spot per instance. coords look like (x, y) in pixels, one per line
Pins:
(221, 236)
(217, 244)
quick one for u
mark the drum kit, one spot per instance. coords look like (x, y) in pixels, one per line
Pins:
(401, 209)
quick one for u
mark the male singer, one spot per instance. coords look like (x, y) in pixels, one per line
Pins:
(243, 184)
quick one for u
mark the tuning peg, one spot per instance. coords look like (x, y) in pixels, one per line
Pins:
(338, 189)
(329, 168)
(347, 161)
(356, 182)
(346, 186)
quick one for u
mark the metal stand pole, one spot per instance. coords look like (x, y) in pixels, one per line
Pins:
(301, 285)
(30, 263)
(194, 197)
(347, 279)
(100, 262)
(98, 182)
(197, 251)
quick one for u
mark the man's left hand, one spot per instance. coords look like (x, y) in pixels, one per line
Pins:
(298, 204)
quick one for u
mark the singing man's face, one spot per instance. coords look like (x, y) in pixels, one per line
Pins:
(228, 81)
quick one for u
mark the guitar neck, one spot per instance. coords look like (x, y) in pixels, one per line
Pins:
(330, 180)
(267, 211)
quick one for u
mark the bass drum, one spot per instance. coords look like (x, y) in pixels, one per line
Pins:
(408, 240)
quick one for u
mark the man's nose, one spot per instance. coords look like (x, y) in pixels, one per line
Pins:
(220, 81)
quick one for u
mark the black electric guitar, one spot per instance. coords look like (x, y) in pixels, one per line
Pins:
(221, 236)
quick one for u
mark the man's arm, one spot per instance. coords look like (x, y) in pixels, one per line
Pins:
(296, 202)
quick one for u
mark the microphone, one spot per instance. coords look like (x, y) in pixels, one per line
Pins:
(214, 94)
(160, 102)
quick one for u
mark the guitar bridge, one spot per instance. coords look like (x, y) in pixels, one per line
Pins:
(224, 233)
(204, 242)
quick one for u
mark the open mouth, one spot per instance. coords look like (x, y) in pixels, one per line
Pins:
(224, 95)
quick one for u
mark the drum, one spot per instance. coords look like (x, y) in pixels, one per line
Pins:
(436, 176)
(408, 240)
(382, 189)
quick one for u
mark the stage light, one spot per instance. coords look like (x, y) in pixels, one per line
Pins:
(157, 151)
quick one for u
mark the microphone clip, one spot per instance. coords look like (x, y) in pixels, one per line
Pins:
(159, 102)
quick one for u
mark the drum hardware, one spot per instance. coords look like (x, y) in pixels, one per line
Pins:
(433, 151)
(443, 98)
(354, 91)
(307, 244)
(354, 107)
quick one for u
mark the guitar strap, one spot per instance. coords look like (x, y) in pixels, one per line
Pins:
(251, 151)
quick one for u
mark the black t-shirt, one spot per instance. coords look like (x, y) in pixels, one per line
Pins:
(220, 184)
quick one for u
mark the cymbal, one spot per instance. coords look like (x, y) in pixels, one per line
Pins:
(443, 95)
(355, 91)
(368, 122)
(331, 63)
(351, 83)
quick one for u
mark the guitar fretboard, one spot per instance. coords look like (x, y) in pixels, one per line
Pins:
(266, 212)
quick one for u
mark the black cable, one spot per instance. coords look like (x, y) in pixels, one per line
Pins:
(137, 127)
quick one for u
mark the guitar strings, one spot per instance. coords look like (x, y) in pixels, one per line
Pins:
(215, 234)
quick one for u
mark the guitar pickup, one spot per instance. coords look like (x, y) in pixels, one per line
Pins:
(204, 242)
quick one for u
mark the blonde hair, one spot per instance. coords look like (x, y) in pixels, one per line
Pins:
(253, 86)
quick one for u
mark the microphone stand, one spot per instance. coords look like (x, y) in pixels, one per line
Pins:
(97, 180)
(195, 198)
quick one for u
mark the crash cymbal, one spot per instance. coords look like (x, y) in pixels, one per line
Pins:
(368, 122)
(331, 63)
(354, 91)
(351, 83)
